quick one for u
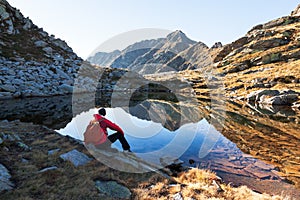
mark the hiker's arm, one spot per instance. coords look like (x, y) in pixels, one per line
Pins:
(113, 126)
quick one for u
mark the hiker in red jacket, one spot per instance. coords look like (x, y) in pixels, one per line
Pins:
(119, 135)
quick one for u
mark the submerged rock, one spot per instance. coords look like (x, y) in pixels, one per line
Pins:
(113, 189)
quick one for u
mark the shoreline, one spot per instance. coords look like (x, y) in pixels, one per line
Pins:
(31, 154)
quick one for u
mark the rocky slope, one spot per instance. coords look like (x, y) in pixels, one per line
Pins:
(261, 67)
(266, 58)
(33, 63)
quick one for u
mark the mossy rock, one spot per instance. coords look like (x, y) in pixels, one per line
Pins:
(113, 189)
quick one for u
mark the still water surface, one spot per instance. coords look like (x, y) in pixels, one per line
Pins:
(271, 135)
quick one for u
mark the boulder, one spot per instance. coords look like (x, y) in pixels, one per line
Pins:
(113, 189)
(8, 88)
(285, 99)
(48, 50)
(256, 95)
(76, 158)
(61, 44)
(28, 24)
(5, 183)
(62, 74)
(3, 14)
(217, 45)
(10, 29)
(269, 43)
(40, 43)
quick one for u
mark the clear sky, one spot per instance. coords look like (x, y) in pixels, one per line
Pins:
(86, 24)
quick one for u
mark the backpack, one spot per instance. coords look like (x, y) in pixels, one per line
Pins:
(94, 134)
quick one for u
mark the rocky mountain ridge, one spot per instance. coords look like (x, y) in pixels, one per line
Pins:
(32, 62)
(176, 52)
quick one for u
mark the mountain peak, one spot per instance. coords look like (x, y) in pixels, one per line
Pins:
(179, 36)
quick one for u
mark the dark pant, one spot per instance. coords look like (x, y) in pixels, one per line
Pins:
(119, 136)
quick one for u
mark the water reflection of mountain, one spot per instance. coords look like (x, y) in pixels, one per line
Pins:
(270, 134)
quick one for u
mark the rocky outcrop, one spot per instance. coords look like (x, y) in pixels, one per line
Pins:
(273, 97)
(266, 58)
(217, 45)
(5, 183)
(296, 12)
(32, 62)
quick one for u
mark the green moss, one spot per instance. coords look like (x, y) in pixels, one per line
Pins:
(288, 21)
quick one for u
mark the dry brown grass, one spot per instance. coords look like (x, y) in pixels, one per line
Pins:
(199, 184)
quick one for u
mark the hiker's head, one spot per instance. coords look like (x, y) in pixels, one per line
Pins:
(102, 111)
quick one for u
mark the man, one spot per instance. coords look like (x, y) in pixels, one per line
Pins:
(119, 135)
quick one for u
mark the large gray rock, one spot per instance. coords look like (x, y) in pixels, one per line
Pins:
(8, 88)
(256, 95)
(48, 50)
(62, 74)
(28, 24)
(3, 14)
(113, 189)
(5, 183)
(285, 99)
(61, 44)
(273, 97)
(76, 158)
(40, 43)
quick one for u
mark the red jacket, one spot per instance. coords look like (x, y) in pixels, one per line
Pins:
(105, 123)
